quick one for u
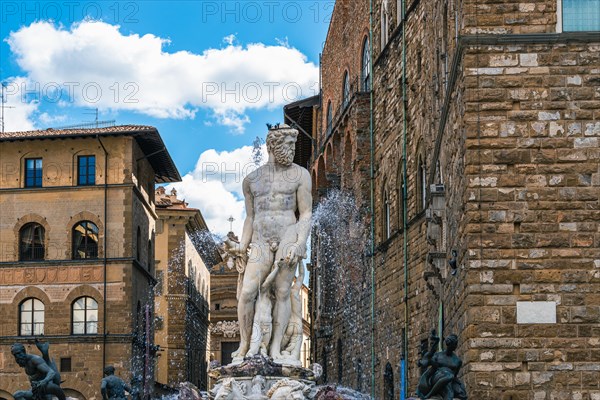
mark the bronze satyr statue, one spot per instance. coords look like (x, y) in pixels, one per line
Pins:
(113, 387)
(440, 381)
(42, 373)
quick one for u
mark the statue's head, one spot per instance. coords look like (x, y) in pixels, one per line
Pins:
(451, 342)
(18, 351)
(281, 142)
(110, 370)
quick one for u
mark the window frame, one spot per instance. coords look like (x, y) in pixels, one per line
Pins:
(33, 322)
(41, 250)
(329, 118)
(385, 24)
(87, 167)
(35, 170)
(421, 185)
(560, 20)
(387, 229)
(85, 321)
(366, 65)
(346, 89)
(74, 248)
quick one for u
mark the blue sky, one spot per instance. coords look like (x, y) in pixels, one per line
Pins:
(207, 74)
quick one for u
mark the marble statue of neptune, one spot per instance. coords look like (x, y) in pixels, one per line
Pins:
(278, 204)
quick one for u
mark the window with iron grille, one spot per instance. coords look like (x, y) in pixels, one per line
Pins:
(85, 240)
(31, 242)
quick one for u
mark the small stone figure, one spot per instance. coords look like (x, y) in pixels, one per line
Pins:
(426, 356)
(42, 373)
(113, 387)
(440, 380)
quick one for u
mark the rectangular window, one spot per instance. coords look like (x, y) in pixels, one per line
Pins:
(581, 15)
(33, 172)
(86, 165)
(65, 364)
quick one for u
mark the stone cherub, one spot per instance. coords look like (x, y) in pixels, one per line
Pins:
(440, 379)
(42, 373)
(292, 340)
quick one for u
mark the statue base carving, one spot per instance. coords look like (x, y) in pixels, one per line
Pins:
(260, 378)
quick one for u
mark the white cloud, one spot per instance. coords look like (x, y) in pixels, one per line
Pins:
(215, 187)
(133, 72)
(19, 109)
(48, 119)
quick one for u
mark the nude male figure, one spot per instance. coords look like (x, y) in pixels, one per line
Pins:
(42, 374)
(274, 195)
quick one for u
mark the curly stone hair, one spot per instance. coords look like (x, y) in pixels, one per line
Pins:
(276, 135)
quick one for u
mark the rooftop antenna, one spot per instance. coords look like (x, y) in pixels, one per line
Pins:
(2, 106)
(95, 112)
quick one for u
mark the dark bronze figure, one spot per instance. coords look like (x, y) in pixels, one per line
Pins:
(42, 372)
(440, 379)
(113, 387)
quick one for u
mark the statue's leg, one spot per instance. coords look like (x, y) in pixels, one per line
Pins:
(258, 267)
(55, 390)
(23, 395)
(283, 307)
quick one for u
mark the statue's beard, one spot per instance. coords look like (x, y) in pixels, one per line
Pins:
(283, 156)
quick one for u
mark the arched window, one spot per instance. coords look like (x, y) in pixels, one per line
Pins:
(400, 12)
(31, 317)
(85, 316)
(85, 240)
(401, 195)
(359, 372)
(385, 24)
(346, 89)
(329, 117)
(386, 215)
(138, 254)
(421, 185)
(31, 242)
(150, 255)
(366, 66)
(388, 382)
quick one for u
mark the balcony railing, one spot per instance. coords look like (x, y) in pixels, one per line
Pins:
(31, 253)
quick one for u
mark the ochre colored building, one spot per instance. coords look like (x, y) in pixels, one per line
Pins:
(468, 133)
(185, 252)
(77, 234)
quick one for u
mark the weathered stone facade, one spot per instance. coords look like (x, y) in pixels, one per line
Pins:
(498, 124)
(224, 331)
(119, 277)
(183, 260)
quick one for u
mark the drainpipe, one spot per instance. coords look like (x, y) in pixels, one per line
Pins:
(372, 173)
(404, 201)
(105, 253)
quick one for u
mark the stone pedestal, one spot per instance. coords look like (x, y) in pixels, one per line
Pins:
(259, 378)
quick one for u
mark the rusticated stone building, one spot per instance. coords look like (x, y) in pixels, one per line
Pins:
(485, 121)
(185, 253)
(77, 235)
